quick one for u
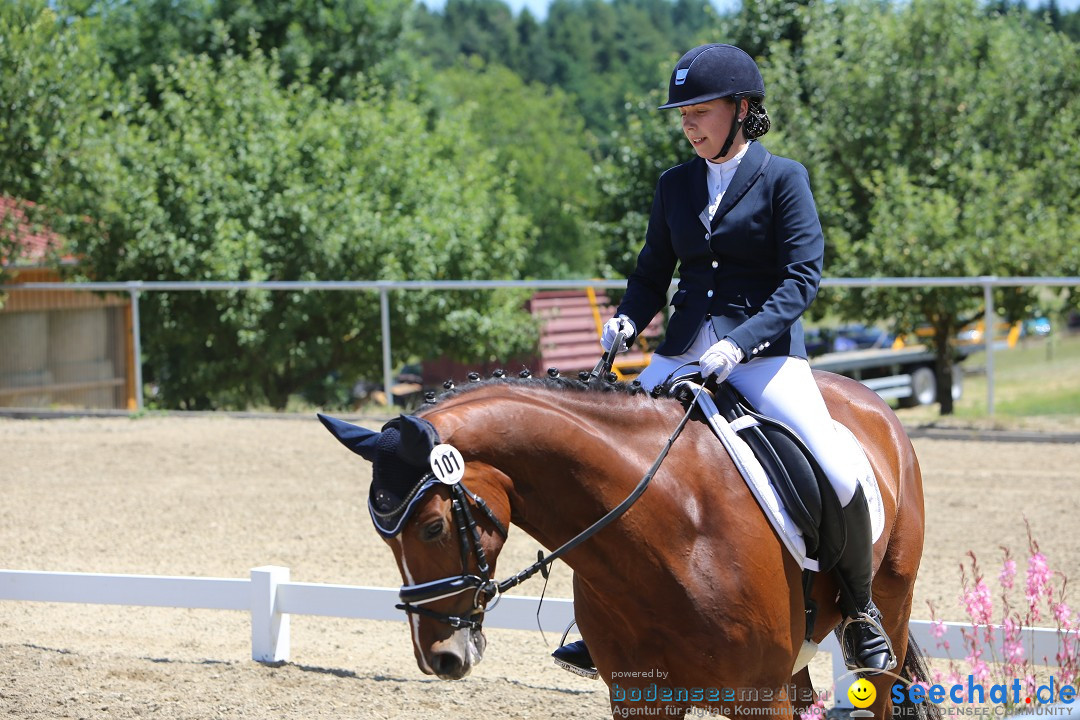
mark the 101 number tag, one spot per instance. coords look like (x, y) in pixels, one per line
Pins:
(447, 464)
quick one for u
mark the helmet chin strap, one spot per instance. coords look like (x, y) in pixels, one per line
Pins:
(736, 123)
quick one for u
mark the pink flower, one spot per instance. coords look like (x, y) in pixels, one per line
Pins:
(1008, 572)
(816, 710)
(978, 603)
(1063, 614)
(937, 628)
(1012, 646)
(1038, 582)
(979, 668)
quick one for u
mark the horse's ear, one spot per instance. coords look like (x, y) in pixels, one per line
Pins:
(360, 440)
(418, 437)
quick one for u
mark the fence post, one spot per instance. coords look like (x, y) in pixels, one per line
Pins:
(988, 341)
(269, 626)
(136, 344)
(388, 371)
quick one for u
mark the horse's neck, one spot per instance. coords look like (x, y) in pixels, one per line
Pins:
(567, 458)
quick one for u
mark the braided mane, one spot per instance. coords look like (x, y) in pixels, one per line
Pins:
(548, 382)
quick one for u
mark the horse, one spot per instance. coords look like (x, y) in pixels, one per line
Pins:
(691, 580)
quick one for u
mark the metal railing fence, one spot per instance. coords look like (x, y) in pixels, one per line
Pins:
(383, 287)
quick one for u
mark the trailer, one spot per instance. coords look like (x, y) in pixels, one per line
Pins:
(904, 374)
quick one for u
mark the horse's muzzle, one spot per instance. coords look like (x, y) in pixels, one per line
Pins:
(454, 657)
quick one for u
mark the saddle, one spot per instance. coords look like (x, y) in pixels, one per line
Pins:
(793, 472)
(782, 474)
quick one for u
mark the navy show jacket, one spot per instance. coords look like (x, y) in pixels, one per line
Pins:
(754, 268)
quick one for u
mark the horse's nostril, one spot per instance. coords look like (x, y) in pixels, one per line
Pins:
(447, 664)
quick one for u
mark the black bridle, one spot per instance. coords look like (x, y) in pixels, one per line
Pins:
(483, 586)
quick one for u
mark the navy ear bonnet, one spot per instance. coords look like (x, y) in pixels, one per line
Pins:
(401, 474)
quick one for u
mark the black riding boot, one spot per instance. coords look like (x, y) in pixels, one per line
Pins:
(865, 644)
(575, 657)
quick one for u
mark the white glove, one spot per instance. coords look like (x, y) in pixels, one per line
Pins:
(720, 360)
(617, 324)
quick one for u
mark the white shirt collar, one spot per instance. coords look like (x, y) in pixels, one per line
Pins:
(719, 177)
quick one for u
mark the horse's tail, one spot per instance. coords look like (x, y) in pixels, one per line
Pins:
(914, 669)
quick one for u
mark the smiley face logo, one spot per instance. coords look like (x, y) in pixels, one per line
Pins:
(862, 693)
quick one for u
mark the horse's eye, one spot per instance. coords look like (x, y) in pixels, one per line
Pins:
(433, 531)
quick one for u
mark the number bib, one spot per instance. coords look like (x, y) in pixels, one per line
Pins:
(447, 464)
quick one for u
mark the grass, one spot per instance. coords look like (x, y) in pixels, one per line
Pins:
(1036, 386)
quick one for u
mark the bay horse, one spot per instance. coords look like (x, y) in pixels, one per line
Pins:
(692, 580)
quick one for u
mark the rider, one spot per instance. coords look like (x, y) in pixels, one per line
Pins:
(743, 228)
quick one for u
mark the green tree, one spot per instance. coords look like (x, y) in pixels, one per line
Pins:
(136, 35)
(940, 141)
(603, 53)
(323, 40)
(231, 177)
(650, 142)
(541, 141)
(317, 41)
(762, 24)
(54, 92)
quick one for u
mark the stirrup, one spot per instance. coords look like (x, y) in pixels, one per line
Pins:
(574, 660)
(872, 617)
(587, 673)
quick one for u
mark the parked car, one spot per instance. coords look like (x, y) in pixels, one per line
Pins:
(853, 336)
(1036, 326)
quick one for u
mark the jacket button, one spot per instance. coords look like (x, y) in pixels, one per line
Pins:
(710, 293)
(715, 264)
(708, 235)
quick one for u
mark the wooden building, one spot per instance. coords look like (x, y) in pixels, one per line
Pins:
(59, 349)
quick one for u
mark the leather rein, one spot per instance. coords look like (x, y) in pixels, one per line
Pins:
(482, 585)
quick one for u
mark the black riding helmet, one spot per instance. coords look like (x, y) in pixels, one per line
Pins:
(713, 71)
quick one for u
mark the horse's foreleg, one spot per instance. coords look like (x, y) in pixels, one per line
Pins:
(804, 691)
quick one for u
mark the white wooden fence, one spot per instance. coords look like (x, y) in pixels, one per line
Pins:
(271, 598)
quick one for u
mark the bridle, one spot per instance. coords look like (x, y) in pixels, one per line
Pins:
(482, 585)
(413, 597)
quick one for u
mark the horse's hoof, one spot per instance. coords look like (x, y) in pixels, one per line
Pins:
(574, 657)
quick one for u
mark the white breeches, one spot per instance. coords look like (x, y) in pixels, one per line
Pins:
(782, 388)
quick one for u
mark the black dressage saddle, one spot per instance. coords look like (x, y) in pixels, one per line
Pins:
(795, 474)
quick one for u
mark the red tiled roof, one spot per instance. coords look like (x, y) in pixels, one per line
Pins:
(32, 241)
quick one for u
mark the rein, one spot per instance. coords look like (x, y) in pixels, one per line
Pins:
(484, 587)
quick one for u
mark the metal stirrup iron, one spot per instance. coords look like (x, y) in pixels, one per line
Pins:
(849, 650)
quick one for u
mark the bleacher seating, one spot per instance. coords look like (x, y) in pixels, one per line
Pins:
(570, 322)
(570, 332)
